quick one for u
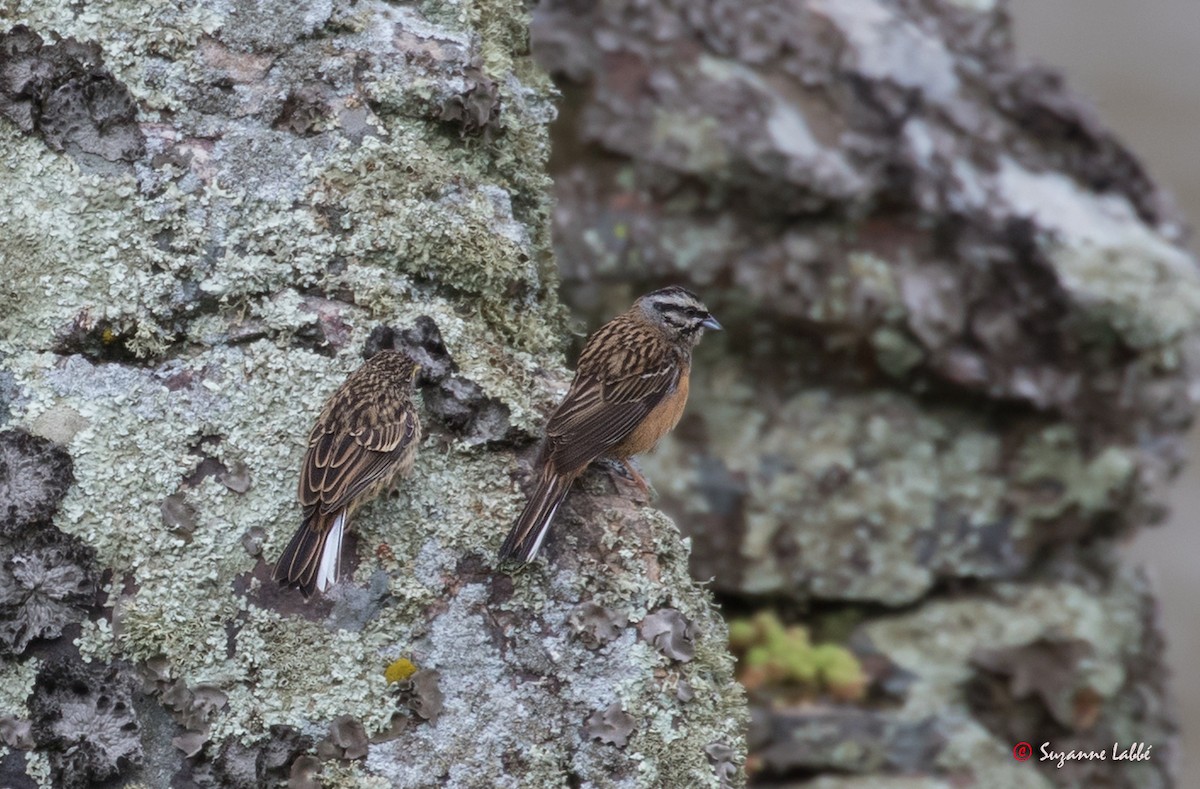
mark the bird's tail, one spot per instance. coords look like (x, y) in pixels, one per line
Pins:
(525, 538)
(311, 559)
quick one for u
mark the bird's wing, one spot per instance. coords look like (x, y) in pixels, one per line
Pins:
(613, 391)
(344, 460)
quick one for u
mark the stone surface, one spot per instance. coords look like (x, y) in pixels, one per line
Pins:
(944, 716)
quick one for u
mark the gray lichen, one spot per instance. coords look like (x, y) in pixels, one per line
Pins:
(62, 92)
(670, 633)
(347, 740)
(83, 718)
(47, 578)
(421, 694)
(610, 725)
(47, 581)
(34, 477)
(595, 625)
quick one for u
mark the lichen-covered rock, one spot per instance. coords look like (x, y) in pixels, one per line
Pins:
(671, 634)
(48, 578)
(62, 92)
(460, 405)
(949, 717)
(314, 179)
(8, 394)
(596, 625)
(611, 706)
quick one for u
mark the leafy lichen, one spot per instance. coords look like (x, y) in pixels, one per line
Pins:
(16, 683)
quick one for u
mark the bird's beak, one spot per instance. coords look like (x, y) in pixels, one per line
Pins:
(711, 323)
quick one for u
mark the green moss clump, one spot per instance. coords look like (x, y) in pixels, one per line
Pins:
(774, 656)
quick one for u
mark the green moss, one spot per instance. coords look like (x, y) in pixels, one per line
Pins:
(784, 659)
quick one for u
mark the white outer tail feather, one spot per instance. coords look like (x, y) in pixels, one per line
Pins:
(537, 544)
(525, 538)
(331, 554)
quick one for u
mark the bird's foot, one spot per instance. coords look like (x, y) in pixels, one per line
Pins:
(625, 469)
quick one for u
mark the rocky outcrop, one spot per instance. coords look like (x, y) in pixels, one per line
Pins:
(210, 212)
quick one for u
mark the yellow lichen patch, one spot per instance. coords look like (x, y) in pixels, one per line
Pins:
(399, 670)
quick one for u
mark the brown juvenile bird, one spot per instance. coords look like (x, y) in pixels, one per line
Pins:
(630, 386)
(365, 440)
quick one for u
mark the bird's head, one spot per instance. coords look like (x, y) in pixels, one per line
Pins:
(678, 312)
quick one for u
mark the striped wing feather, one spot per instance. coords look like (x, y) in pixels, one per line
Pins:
(343, 462)
(612, 393)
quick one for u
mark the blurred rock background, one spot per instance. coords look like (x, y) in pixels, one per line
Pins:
(959, 366)
(1137, 63)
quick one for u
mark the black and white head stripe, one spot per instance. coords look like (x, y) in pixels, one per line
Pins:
(678, 309)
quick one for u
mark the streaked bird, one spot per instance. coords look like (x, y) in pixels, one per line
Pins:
(364, 441)
(630, 387)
